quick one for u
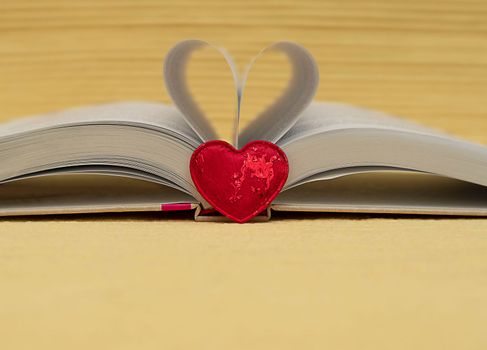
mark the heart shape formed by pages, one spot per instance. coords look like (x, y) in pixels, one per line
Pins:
(239, 184)
(272, 123)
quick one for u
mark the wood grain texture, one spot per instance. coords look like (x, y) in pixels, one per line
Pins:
(312, 281)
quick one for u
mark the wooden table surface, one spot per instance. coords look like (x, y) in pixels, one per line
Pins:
(298, 282)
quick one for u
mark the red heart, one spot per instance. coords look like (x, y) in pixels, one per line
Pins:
(239, 183)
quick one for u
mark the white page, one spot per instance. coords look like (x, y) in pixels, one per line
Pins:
(330, 137)
(272, 123)
(64, 194)
(136, 139)
(177, 85)
(282, 114)
(321, 117)
(387, 192)
(152, 115)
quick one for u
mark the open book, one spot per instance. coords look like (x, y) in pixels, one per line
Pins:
(134, 156)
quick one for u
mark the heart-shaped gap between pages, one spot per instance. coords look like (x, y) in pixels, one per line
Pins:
(269, 125)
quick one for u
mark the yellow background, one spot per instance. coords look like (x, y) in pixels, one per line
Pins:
(300, 281)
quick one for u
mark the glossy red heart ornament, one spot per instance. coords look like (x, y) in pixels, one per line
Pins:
(239, 183)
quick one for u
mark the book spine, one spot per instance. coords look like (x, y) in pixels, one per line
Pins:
(211, 215)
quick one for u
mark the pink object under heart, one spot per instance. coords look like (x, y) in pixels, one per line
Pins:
(240, 184)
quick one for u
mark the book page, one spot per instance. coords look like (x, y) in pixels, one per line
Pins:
(394, 192)
(273, 122)
(177, 86)
(340, 139)
(282, 114)
(71, 194)
(133, 139)
(321, 117)
(151, 115)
